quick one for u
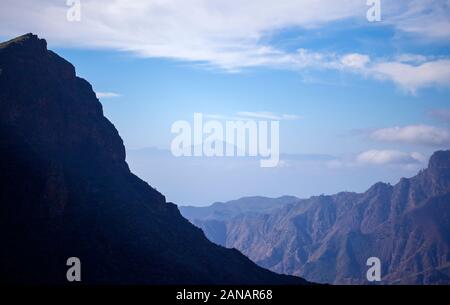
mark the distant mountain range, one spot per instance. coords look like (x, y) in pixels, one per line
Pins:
(328, 239)
(66, 191)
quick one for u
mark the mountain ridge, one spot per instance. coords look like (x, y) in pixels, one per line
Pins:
(328, 238)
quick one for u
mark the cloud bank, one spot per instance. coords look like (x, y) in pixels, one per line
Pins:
(413, 134)
(383, 157)
(255, 115)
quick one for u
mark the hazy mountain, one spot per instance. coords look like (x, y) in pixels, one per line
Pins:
(329, 238)
(213, 219)
(230, 209)
(66, 190)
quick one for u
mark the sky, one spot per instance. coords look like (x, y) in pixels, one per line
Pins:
(358, 101)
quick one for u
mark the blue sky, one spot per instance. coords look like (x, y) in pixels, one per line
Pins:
(373, 99)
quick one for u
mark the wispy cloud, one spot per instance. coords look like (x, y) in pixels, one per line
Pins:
(255, 115)
(355, 61)
(427, 18)
(268, 116)
(105, 95)
(226, 34)
(232, 35)
(380, 158)
(383, 157)
(413, 134)
(414, 77)
(410, 72)
(410, 58)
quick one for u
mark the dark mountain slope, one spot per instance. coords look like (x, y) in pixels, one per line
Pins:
(329, 238)
(66, 190)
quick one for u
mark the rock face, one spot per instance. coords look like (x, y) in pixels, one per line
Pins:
(66, 191)
(328, 239)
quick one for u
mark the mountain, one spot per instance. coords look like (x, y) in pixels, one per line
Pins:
(328, 239)
(66, 191)
(212, 219)
(229, 209)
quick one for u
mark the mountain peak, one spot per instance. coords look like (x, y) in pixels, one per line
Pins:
(440, 160)
(28, 41)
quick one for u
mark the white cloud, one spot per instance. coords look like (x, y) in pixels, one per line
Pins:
(413, 77)
(222, 117)
(255, 115)
(269, 116)
(411, 58)
(383, 157)
(357, 61)
(413, 134)
(104, 95)
(410, 72)
(231, 34)
(224, 33)
(379, 157)
(427, 18)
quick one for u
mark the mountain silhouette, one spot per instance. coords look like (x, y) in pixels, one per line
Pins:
(66, 191)
(328, 239)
